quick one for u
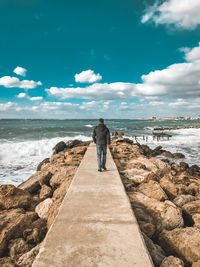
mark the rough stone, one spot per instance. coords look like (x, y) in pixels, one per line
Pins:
(59, 147)
(43, 207)
(27, 259)
(45, 192)
(183, 199)
(182, 242)
(17, 247)
(172, 261)
(13, 197)
(165, 214)
(169, 187)
(152, 189)
(45, 161)
(7, 262)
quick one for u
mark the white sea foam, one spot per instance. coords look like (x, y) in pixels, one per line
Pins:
(18, 160)
(89, 125)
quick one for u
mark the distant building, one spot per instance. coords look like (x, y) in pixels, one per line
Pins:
(152, 118)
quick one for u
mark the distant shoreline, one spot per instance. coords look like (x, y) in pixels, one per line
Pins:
(176, 128)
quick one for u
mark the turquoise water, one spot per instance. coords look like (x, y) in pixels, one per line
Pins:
(24, 143)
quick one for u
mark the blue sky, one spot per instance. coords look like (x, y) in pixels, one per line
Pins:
(86, 59)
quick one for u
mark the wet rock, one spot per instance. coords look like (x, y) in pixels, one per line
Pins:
(75, 143)
(7, 262)
(43, 208)
(156, 151)
(45, 192)
(183, 199)
(45, 178)
(194, 170)
(12, 224)
(156, 252)
(45, 161)
(17, 247)
(178, 155)
(26, 260)
(182, 242)
(59, 147)
(184, 166)
(165, 214)
(167, 154)
(13, 197)
(152, 189)
(172, 261)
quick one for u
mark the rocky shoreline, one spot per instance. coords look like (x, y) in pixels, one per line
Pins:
(176, 128)
(165, 198)
(27, 211)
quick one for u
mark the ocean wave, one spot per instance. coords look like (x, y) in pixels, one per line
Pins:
(89, 125)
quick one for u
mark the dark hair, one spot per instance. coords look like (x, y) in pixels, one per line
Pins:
(101, 120)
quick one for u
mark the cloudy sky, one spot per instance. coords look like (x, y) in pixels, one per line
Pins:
(110, 58)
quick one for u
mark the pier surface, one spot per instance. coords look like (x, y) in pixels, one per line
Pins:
(95, 225)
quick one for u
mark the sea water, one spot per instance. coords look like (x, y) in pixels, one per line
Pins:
(25, 143)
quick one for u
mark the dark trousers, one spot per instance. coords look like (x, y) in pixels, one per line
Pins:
(101, 156)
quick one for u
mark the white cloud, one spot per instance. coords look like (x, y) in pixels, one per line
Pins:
(182, 14)
(22, 95)
(36, 98)
(98, 91)
(20, 71)
(10, 82)
(6, 106)
(87, 76)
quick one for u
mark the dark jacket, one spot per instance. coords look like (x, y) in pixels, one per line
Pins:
(101, 135)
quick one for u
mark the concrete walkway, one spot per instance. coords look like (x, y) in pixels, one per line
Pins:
(95, 226)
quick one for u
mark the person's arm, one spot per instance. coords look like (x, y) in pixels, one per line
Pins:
(108, 137)
(94, 136)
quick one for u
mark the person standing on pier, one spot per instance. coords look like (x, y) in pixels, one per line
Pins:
(101, 137)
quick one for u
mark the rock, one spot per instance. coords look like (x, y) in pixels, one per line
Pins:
(196, 264)
(13, 197)
(17, 247)
(32, 185)
(172, 261)
(43, 207)
(37, 232)
(7, 262)
(190, 209)
(147, 228)
(194, 170)
(152, 189)
(42, 163)
(79, 150)
(59, 147)
(157, 151)
(169, 187)
(58, 196)
(167, 154)
(184, 166)
(156, 252)
(182, 242)
(183, 199)
(165, 214)
(196, 219)
(136, 175)
(178, 155)
(75, 143)
(45, 192)
(62, 174)
(12, 224)
(26, 260)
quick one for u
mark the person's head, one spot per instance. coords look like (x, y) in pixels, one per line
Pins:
(101, 121)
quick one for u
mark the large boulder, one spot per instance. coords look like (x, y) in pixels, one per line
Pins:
(62, 174)
(45, 161)
(152, 189)
(165, 214)
(79, 150)
(59, 147)
(36, 231)
(183, 199)
(7, 262)
(27, 259)
(32, 185)
(12, 224)
(182, 242)
(172, 261)
(190, 209)
(13, 197)
(43, 207)
(169, 187)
